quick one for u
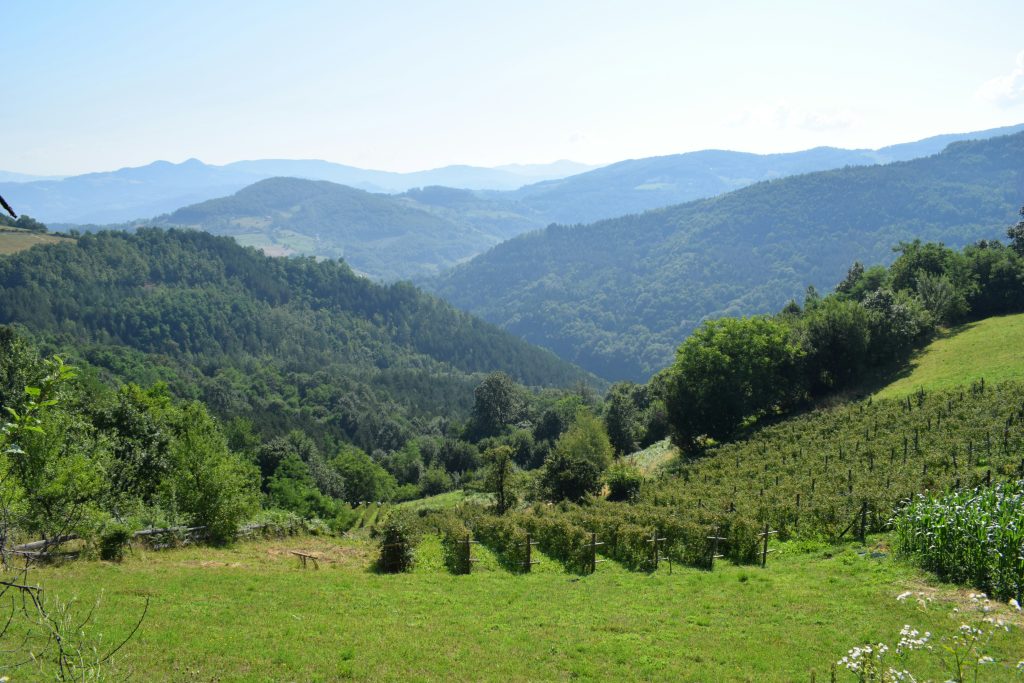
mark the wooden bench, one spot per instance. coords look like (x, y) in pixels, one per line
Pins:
(304, 557)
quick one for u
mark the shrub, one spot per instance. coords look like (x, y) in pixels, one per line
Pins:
(114, 539)
(505, 537)
(453, 543)
(399, 534)
(560, 538)
(435, 481)
(623, 481)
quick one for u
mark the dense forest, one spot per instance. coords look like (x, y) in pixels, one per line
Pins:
(283, 342)
(616, 297)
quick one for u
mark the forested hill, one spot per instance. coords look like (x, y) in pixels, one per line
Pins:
(637, 185)
(380, 235)
(289, 343)
(617, 297)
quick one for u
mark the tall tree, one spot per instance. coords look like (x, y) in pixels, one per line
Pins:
(580, 456)
(728, 370)
(1016, 234)
(498, 402)
(499, 476)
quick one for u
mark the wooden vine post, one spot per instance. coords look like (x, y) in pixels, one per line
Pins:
(469, 553)
(529, 554)
(764, 547)
(654, 540)
(593, 552)
(715, 538)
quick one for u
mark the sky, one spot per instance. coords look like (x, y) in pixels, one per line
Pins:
(405, 86)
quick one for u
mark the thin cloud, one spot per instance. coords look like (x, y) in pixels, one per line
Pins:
(1007, 90)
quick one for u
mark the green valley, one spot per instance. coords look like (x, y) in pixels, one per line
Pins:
(617, 296)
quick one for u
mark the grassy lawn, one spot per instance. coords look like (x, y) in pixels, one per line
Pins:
(249, 613)
(992, 348)
(13, 241)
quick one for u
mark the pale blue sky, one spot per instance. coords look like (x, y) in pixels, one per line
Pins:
(411, 85)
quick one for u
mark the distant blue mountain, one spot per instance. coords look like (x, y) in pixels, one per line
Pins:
(161, 187)
(523, 196)
(638, 185)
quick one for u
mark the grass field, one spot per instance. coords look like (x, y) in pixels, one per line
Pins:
(249, 613)
(992, 348)
(12, 241)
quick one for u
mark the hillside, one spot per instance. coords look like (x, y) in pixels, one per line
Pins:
(638, 185)
(13, 240)
(287, 343)
(383, 236)
(618, 296)
(989, 349)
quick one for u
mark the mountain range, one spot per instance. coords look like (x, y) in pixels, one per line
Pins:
(562, 192)
(160, 187)
(638, 185)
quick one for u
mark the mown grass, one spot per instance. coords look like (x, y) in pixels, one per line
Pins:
(445, 501)
(249, 613)
(992, 349)
(12, 241)
(653, 458)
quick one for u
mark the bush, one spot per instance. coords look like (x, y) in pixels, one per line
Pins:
(505, 537)
(278, 523)
(344, 520)
(623, 481)
(114, 539)
(560, 538)
(453, 543)
(213, 487)
(399, 534)
(435, 481)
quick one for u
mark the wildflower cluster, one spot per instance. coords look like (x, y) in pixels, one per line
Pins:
(962, 653)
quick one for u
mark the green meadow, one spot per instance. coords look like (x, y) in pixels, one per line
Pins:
(251, 613)
(992, 349)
